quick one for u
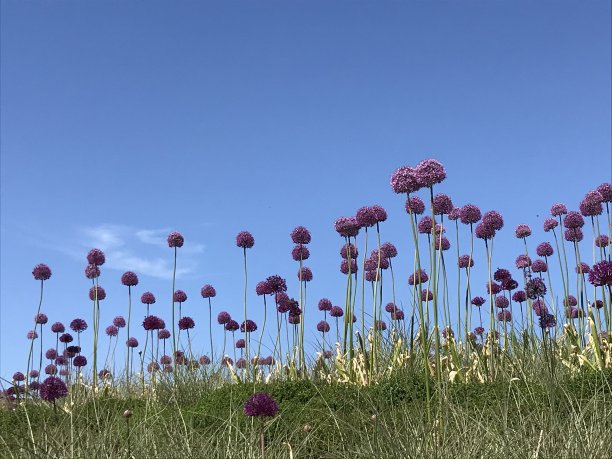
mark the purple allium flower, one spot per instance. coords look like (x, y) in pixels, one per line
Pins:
(509, 284)
(519, 296)
(539, 308)
(465, 261)
(71, 351)
(544, 250)
(263, 288)
(129, 279)
(78, 325)
(52, 388)
(448, 332)
(570, 300)
(249, 326)
(119, 322)
(573, 220)
(92, 271)
(501, 302)
(100, 292)
(484, 231)
(478, 301)
(323, 327)
(398, 314)
(147, 298)
(523, 261)
(61, 360)
(79, 361)
(493, 288)
(186, 323)
(261, 405)
(34, 374)
(175, 239)
(305, 274)
(504, 315)
(294, 319)
(64, 372)
(573, 313)
(208, 291)
(366, 216)
(347, 226)
(380, 325)
(180, 296)
(418, 277)
(539, 266)
(165, 360)
(535, 288)
(470, 214)
(548, 321)
(163, 334)
(41, 319)
(425, 225)
(131, 342)
(601, 274)
(405, 180)
(598, 304)
(427, 295)
(325, 304)
(277, 284)
(344, 266)
(390, 307)
(500, 274)
(522, 231)
(240, 343)
(442, 204)
(232, 326)
(388, 250)
(223, 318)
(349, 250)
(336, 311)
(442, 243)
(300, 252)
(51, 354)
(65, 338)
(227, 361)
(112, 330)
(300, 235)
(371, 276)
(573, 235)
(96, 257)
(41, 272)
(550, 224)
(605, 190)
(479, 331)
(493, 219)
(50, 369)
(204, 360)
(168, 369)
(245, 240)
(558, 209)
(380, 213)
(429, 172)
(602, 241)
(153, 323)
(415, 205)
(58, 327)
(18, 376)
(591, 205)
(582, 268)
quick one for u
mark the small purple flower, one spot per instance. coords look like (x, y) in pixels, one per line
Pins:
(347, 226)
(78, 325)
(58, 327)
(448, 332)
(336, 311)
(147, 298)
(232, 325)
(349, 250)
(398, 314)
(570, 300)
(573, 220)
(425, 225)
(501, 302)
(204, 360)
(601, 274)
(539, 308)
(41, 319)
(79, 361)
(442, 204)
(539, 266)
(387, 250)
(65, 338)
(550, 224)
(535, 288)
(34, 374)
(96, 257)
(380, 325)
(129, 279)
(263, 288)
(325, 304)
(519, 296)
(249, 326)
(455, 214)
(112, 330)
(51, 354)
(99, 291)
(260, 405)
(208, 291)
(153, 323)
(429, 172)
(504, 315)
(245, 240)
(493, 288)
(602, 241)
(465, 261)
(442, 243)
(582, 268)
(240, 343)
(344, 266)
(598, 304)
(390, 307)
(558, 209)
(323, 327)
(501, 274)
(163, 334)
(277, 284)
(119, 322)
(478, 301)
(573, 235)
(131, 342)
(418, 277)
(470, 214)
(300, 252)
(523, 261)
(180, 296)
(41, 272)
(223, 318)
(186, 323)
(175, 239)
(366, 216)
(415, 205)
(547, 321)
(372, 276)
(405, 180)
(479, 331)
(92, 271)
(18, 376)
(591, 205)
(293, 319)
(605, 190)
(484, 231)
(522, 231)
(305, 274)
(52, 389)
(544, 250)
(300, 235)
(493, 219)
(379, 213)
(427, 295)
(61, 360)
(573, 313)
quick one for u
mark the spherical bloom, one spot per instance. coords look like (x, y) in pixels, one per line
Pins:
(64, 372)
(501, 302)
(96, 257)
(388, 250)
(263, 288)
(539, 266)
(186, 323)
(405, 180)
(573, 220)
(442, 204)
(418, 277)
(522, 231)
(504, 315)
(380, 213)
(570, 300)
(261, 405)
(51, 354)
(601, 274)
(484, 231)
(165, 360)
(277, 284)
(245, 240)
(349, 250)
(598, 304)
(539, 308)
(61, 360)
(390, 307)
(99, 291)
(500, 274)
(380, 325)
(573, 313)
(163, 334)
(544, 250)
(523, 261)
(41, 272)
(52, 389)
(294, 319)
(372, 276)
(119, 322)
(548, 321)
(493, 219)
(582, 268)
(535, 288)
(129, 279)
(415, 205)
(344, 266)
(455, 214)
(208, 291)
(573, 235)
(558, 209)
(147, 298)
(232, 325)
(41, 318)
(112, 330)
(336, 311)
(300, 235)
(131, 342)
(493, 288)
(478, 301)
(175, 239)
(79, 361)
(18, 376)
(71, 351)
(605, 190)
(602, 241)
(300, 252)
(65, 338)
(325, 304)
(305, 274)
(323, 327)
(240, 344)
(50, 369)
(248, 326)
(180, 296)
(282, 302)
(204, 360)
(58, 327)
(470, 214)
(153, 323)
(92, 271)
(429, 172)
(427, 295)
(465, 261)
(519, 296)
(442, 243)
(479, 331)
(32, 334)
(347, 226)
(366, 216)
(398, 314)
(590, 208)
(78, 325)
(550, 224)
(425, 225)
(448, 332)
(223, 317)
(152, 367)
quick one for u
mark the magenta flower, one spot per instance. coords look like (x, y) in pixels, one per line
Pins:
(429, 172)
(175, 239)
(305, 274)
(591, 205)
(388, 250)
(18, 376)
(323, 327)
(300, 235)
(493, 288)
(147, 298)
(598, 304)
(366, 216)
(248, 326)
(582, 268)
(539, 266)
(92, 271)
(405, 180)
(153, 323)
(204, 360)
(602, 241)
(544, 250)
(245, 240)
(101, 294)
(336, 311)
(131, 342)
(41, 319)
(550, 224)
(454, 214)
(425, 225)
(186, 323)
(415, 205)
(484, 231)
(442, 204)
(478, 301)
(41, 272)
(263, 288)
(112, 330)
(470, 214)
(558, 209)
(324, 304)
(573, 235)
(504, 315)
(535, 288)
(119, 322)
(379, 213)
(427, 295)
(479, 331)
(448, 332)
(523, 261)
(79, 361)
(465, 261)
(58, 327)
(501, 274)
(260, 405)
(51, 354)
(601, 274)
(129, 279)
(522, 231)
(232, 325)
(65, 338)
(493, 219)
(344, 266)
(380, 325)
(78, 325)
(442, 243)
(96, 257)
(52, 389)
(605, 190)
(350, 251)
(539, 308)
(163, 334)
(501, 302)
(240, 343)
(347, 226)
(180, 296)
(573, 313)
(519, 296)
(277, 284)
(418, 277)
(570, 300)
(573, 220)
(300, 252)
(398, 314)
(208, 291)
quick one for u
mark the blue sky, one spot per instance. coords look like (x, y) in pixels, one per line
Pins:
(123, 121)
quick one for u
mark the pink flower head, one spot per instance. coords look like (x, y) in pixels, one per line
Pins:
(427, 295)
(336, 311)
(504, 315)
(550, 224)
(415, 205)
(573, 220)
(245, 240)
(97, 293)
(305, 274)
(544, 250)
(573, 235)
(539, 266)
(478, 301)
(175, 239)
(111, 330)
(484, 231)
(300, 235)
(300, 252)
(523, 261)
(605, 190)
(277, 284)
(522, 231)
(344, 266)
(147, 298)
(470, 214)
(119, 322)
(442, 204)
(41, 318)
(602, 241)
(263, 288)
(388, 250)
(405, 180)
(208, 291)
(539, 308)
(501, 302)
(131, 342)
(324, 304)
(96, 257)
(180, 296)
(347, 226)
(379, 213)
(558, 209)
(41, 272)
(248, 326)
(58, 327)
(129, 279)
(349, 250)
(493, 219)
(186, 323)
(418, 277)
(78, 325)
(366, 216)
(465, 261)
(429, 172)
(323, 327)
(601, 274)
(425, 225)
(92, 271)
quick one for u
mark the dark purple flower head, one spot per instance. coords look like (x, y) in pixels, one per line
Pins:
(380, 325)
(504, 315)
(58, 327)
(470, 214)
(92, 271)
(41, 318)
(390, 307)
(379, 213)
(300, 252)
(590, 208)
(119, 322)
(325, 304)
(18, 376)
(97, 293)
(442, 243)
(294, 319)
(605, 190)
(72, 351)
(465, 261)
(65, 338)
(208, 291)
(366, 216)
(388, 250)
(398, 314)
(519, 296)
(96, 257)
(372, 276)
(232, 325)
(41, 272)
(79, 361)
(425, 225)
(535, 288)
(558, 209)
(448, 332)
(263, 288)
(175, 239)
(281, 298)
(523, 261)
(78, 325)
(152, 367)
(479, 331)
(277, 284)
(544, 250)
(336, 311)
(300, 235)
(347, 226)
(429, 172)
(427, 295)
(147, 298)
(186, 323)
(601, 274)
(180, 296)
(573, 235)
(547, 321)
(129, 279)
(570, 300)
(493, 288)
(500, 274)
(64, 372)
(405, 180)
(493, 219)
(418, 277)
(415, 205)
(163, 334)
(240, 343)
(484, 231)
(539, 266)
(131, 342)
(539, 308)
(323, 327)
(61, 360)
(32, 334)
(52, 389)
(305, 274)
(573, 220)
(261, 405)
(602, 241)
(573, 313)
(522, 231)
(349, 250)
(153, 323)
(455, 214)
(598, 304)
(442, 204)
(245, 240)
(204, 360)
(249, 326)
(34, 374)
(344, 266)
(478, 301)
(550, 224)
(51, 354)
(501, 302)
(112, 330)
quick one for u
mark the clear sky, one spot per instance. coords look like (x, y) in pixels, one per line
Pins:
(122, 121)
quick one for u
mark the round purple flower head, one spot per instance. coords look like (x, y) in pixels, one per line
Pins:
(539, 266)
(65, 338)
(131, 342)
(493, 219)
(602, 241)
(96, 257)
(470, 214)
(535, 288)
(381, 325)
(418, 277)
(186, 323)
(573, 220)
(305, 274)
(605, 190)
(41, 272)
(99, 291)
(390, 307)
(442, 204)
(325, 305)
(180, 296)
(454, 214)
(129, 279)
(415, 205)
(522, 231)
(519, 296)
(501, 302)
(573, 235)
(208, 291)
(277, 284)
(501, 274)
(550, 224)
(34, 374)
(405, 180)
(544, 250)
(388, 250)
(398, 314)
(504, 315)
(119, 322)
(547, 321)
(425, 225)
(539, 308)
(300, 235)
(344, 266)
(111, 330)
(58, 327)
(598, 304)
(32, 334)
(478, 301)
(293, 319)
(223, 318)
(300, 252)
(52, 389)
(18, 376)
(261, 405)
(570, 300)
(163, 334)
(349, 250)
(92, 271)
(323, 327)
(493, 288)
(153, 323)
(51, 354)
(79, 361)
(442, 243)
(232, 325)
(347, 226)
(366, 216)
(205, 360)
(245, 240)
(573, 313)
(78, 325)
(380, 213)
(558, 209)
(523, 261)
(429, 172)
(427, 295)
(41, 318)
(240, 343)
(601, 274)
(263, 288)
(465, 261)
(479, 331)
(371, 276)
(249, 326)
(336, 311)
(484, 231)
(591, 205)
(175, 239)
